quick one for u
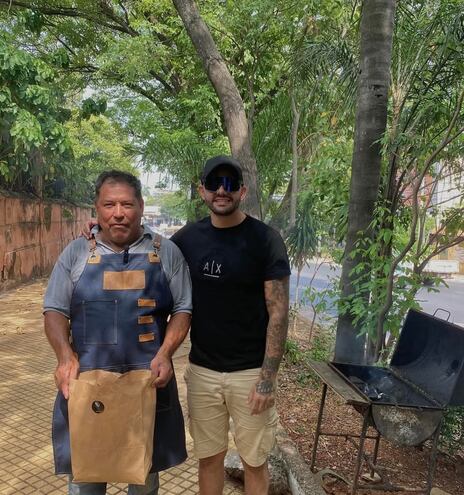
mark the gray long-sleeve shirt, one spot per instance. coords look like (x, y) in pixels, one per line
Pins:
(72, 261)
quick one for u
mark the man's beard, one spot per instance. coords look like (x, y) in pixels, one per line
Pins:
(230, 208)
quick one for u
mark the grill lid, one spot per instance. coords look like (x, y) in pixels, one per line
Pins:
(430, 354)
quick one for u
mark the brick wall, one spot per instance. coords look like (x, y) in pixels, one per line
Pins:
(32, 235)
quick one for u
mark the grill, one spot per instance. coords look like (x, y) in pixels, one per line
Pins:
(404, 402)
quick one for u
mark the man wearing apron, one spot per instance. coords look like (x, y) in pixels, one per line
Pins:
(106, 307)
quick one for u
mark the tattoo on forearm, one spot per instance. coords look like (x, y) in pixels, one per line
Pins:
(270, 367)
(265, 387)
(276, 292)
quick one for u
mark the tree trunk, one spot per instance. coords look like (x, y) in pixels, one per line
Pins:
(377, 24)
(231, 102)
(294, 191)
(297, 299)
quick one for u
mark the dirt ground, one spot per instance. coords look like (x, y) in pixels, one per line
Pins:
(298, 405)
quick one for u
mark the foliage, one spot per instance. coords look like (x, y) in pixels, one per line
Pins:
(87, 85)
(326, 179)
(301, 240)
(293, 353)
(48, 145)
(321, 349)
(138, 56)
(93, 107)
(323, 302)
(165, 143)
(424, 138)
(97, 144)
(322, 345)
(175, 205)
(372, 287)
(271, 144)
(408, 277)
(297, 357)
(452, 431)
(33, 138)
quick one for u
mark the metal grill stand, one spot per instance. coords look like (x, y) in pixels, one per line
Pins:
(370, 459)
(404, 402)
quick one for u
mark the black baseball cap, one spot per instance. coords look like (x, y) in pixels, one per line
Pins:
(222, 161)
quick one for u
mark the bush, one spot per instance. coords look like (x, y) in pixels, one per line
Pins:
(452, 432)
(293, 353)
(322, 346)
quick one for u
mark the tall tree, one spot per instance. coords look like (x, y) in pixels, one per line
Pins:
(423, 153)
(33, 139)
(238, 130)
(138, 51)
(377, 23)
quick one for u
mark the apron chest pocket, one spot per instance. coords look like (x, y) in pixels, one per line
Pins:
(100, 322)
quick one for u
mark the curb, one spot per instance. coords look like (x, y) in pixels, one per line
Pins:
(300, 478)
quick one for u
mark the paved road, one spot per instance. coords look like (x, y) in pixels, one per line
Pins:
(319, 277)
(449, 298)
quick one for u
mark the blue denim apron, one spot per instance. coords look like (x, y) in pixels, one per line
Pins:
(119, 309)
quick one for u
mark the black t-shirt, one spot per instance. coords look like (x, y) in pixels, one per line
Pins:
(228, 267)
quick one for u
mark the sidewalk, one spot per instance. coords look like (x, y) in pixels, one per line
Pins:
(27, 392)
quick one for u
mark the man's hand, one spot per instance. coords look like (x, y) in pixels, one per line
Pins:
(161, 370)
(262, 395)
(57, 332)
(64, 372)
(87, 227)
(161, 365)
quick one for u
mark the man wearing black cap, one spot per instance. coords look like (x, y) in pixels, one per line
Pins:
(239, 269)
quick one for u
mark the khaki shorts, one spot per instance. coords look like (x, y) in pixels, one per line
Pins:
(213, 398)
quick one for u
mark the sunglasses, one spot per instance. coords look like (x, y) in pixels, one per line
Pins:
(230, 184)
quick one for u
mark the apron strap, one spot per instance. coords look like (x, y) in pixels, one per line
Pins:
(157, 243)
(92, 244)
(94, 258)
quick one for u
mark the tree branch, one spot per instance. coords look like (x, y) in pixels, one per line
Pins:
(74, 12)
(415, 215)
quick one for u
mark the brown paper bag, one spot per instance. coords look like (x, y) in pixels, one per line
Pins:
(111, 425)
